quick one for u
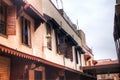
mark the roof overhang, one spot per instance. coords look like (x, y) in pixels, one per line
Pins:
(59, 29)
(32, 12)
(79, 48)
(49, 19)
(103, 69)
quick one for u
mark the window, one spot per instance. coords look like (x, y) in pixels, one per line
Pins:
(49, 39)
(7, 19)
(26, 32)
(68, 49)
(59, 42)
(3, 19)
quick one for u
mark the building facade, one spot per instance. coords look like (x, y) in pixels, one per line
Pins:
(116, 32)
(37, 42)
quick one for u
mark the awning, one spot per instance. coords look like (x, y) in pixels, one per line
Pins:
(72, 40)
(14, 52)
(22, 5)
(49, 19)
(32, 12)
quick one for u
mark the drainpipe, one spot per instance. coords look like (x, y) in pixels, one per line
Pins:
(80, 61)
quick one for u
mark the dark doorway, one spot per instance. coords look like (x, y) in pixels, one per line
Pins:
(38, 75)
(61, 77)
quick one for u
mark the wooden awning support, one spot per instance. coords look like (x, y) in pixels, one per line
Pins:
(87, 57)
(94, 62)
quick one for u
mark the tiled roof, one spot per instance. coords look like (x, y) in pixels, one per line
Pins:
(106, 61)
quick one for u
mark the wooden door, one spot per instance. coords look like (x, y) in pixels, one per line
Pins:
(4, 68)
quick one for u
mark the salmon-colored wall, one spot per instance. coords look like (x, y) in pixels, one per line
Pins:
(37, 4)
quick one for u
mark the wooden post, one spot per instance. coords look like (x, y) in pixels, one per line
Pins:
(31, 74)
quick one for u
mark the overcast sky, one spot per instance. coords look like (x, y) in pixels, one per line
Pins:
(96, 19)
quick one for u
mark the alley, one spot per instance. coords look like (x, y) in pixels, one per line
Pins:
(38, 41)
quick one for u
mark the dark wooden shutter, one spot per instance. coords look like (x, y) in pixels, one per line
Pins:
(11, 20)
(69, 53)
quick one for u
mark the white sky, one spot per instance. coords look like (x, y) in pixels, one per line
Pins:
(96, 19)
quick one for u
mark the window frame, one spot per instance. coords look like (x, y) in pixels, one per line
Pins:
(26, 31)
(49, 35)
(3, 20)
